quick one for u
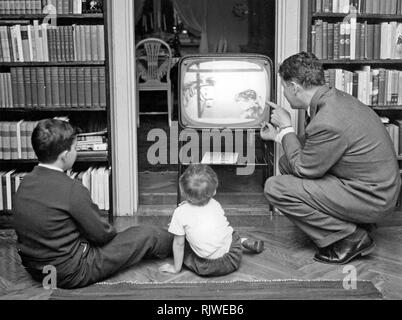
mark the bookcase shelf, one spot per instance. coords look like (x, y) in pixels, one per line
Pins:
(53, 109)
(387, 108)
(64, 47)
(394, 62)
(52, 64)
(326, 32)
(81, 157)
(84, 16)
(365, 16)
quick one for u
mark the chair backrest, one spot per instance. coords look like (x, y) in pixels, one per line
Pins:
(154, 60)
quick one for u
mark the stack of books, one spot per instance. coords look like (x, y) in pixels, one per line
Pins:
(45, 43)
(354, 40)
(94, 141)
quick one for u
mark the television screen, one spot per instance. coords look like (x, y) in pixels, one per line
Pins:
(225, 91)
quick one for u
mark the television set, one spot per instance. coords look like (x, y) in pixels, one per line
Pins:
(225, 91)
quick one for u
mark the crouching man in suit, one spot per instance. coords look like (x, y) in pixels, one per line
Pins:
(341, 175)
(58, 225)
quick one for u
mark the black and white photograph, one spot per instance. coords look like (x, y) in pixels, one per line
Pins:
(200, 156)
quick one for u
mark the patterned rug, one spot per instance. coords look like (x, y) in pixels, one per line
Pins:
(236, 290)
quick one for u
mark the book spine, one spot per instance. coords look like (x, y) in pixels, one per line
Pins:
(70, 43)
(88, 48)
(83, 43)
(375, 76)
(81, 87)
(24, 141)
(21, 87)
(6, 140)
(62, 87)
(28, 92)
(347, 40)
(95, 87)
(13, 141)
(58, 44)
(370, 41)
(342, 39)
(319, 39)
(88, 87)
(14, 86)
(363, 41)
(34, 87)
(101, 41)
(55, 86)
(377, 41)
(41, 87)
(74, 87)
(102, 87)
(48, 87)
(337, 40)
(313, 40)
(10, 45)
(325, 40)
(67, 74)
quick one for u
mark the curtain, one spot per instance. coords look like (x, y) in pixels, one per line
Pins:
(138, 7)
(194, 15)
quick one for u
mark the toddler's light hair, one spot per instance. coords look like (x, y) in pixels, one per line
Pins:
(198, 184)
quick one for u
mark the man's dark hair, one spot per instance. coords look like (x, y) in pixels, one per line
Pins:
(199, 183)
(50, 138)
(303, 68)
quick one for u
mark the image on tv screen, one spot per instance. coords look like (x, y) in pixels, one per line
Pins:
(228, 92)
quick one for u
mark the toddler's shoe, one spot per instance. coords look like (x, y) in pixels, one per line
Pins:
(256, 246)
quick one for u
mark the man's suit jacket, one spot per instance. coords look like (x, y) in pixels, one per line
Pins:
(346, 139)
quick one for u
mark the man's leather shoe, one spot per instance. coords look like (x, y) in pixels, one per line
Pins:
(357, 244)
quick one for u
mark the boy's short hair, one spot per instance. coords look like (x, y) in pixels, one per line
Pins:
(304, 68)
(50, 138)
(199, 183)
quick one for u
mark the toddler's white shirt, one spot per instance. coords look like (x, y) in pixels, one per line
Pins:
(206, 228)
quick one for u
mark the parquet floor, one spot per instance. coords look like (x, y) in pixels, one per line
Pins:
(288, 255)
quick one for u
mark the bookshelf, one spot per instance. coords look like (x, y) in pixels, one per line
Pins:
(73, 58)
(365, 51)
(371, 40)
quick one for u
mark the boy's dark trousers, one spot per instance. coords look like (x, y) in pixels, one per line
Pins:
(228, 263)
(95, 264)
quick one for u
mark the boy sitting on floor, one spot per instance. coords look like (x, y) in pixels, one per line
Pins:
(203, 239)
(58, 225)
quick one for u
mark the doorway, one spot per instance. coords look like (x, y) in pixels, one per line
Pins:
(230, 26)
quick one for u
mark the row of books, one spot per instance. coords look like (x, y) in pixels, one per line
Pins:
(394, 133)
(375, 87)
(359, 6)
(64, 87)
(354, 40)
(94, 141)
(15, 140)
(41, 42)
(96, 180)
(48, 6)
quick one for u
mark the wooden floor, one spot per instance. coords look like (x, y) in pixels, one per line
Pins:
(287, 255)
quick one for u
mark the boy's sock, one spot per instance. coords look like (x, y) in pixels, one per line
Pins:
(255, 246)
